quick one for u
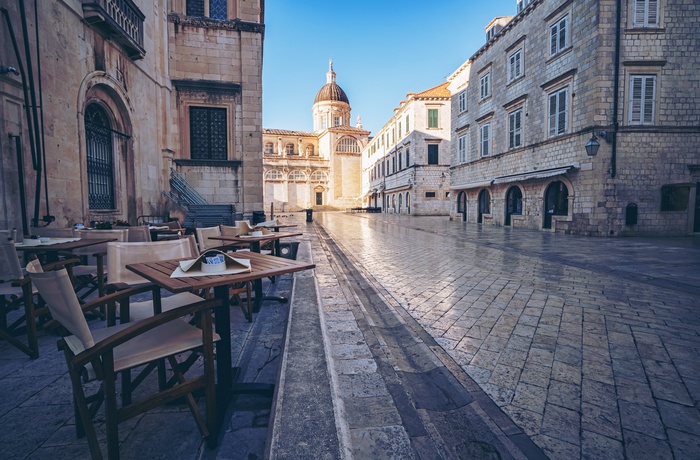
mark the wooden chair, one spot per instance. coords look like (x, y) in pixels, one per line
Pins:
(205, 243)
(104, 354)
(15, 293)
(120, 254)
(91, 273)
(138, 234)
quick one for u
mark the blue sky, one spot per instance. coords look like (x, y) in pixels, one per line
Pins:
(381, 50)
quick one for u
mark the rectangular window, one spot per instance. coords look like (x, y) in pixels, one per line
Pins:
(400, 158)
(432, 118)
(558, 36)
(642, 97)
(559, 112)
(462, 99)
(336, 121)
(485, 86)
(432, 154)
(208, 139)
(324, 123)
(674, 197)
(407, 128)
(400, 129)
(462, 149)
(430, 194)
(645, 13)
(393, 164)
(515, 65)
(407, 158)
(485, 139)
(218, 9)
(515, 129)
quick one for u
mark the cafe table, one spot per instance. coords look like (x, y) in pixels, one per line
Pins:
(53, 246)
(262, 266)
(255, 242)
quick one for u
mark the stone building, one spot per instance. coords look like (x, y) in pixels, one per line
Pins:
(582, 117)
(118, 95)
(319, 168)
(405, 167)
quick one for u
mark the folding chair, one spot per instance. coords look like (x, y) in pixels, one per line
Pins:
(103, 354)
(15, 293)
(91, 273)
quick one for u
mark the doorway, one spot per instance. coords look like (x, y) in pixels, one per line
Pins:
(462, 205)
(319, 198)
(514, 203)
(556, 202)
(484, 205)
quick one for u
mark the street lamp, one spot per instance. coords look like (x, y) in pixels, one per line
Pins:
(593, 145)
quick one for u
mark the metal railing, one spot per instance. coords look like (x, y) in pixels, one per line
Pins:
(185, 191)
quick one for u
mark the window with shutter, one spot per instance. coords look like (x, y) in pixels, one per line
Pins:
(485, 140)
(515, 138)
(645, 13)
(558, 112)
(642, 99)
(558, 36)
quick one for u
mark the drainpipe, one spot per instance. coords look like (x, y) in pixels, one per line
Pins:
(20, 171)
(616, 88)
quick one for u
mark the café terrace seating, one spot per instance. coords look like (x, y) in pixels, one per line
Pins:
(91, 273)
(16, 293)
(120, 254)
(104, 354)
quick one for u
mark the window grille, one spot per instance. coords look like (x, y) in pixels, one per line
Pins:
(208, 139)
(100, 158)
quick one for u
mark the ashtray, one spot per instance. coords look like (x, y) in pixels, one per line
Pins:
(212, 263)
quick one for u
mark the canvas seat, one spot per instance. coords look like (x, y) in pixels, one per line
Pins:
(105, 354)
(120, 254)
(16, 293)
(91, 273)
(138, 233)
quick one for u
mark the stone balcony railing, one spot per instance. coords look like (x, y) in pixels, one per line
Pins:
(121, 20)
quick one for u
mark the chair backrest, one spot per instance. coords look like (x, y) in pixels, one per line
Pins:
(139, 233)
(203, 235)
(228, 230)
(56, 289)
(120, 235)
(52, 232)
(120, 254)
(10, 268)
(173, 225)
(245, 226)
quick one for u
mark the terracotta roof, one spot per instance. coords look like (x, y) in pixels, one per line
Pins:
(436, 92)
(348, 129)
(287, 132)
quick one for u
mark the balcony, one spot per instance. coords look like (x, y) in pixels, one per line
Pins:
(120, 20)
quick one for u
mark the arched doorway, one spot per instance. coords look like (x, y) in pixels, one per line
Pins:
(400, 199)
(462, 205)
(393, 203)
(318, 195)
(556, 202)
(514, 203)
(484, 205)
(408, 202)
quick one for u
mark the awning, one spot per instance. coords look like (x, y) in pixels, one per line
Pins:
(477, 184)
(398, 189)
(533, 175)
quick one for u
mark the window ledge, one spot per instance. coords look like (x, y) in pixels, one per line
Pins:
(217, 163)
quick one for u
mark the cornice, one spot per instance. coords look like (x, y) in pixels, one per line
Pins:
(234, 24)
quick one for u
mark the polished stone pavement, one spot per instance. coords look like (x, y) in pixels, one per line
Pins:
(420, 337)
(590, 345)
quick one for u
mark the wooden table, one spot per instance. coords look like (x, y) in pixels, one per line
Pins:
(262, 266)
(52, 250)
(255, 242)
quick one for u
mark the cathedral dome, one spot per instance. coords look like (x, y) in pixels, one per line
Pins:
(331, 92)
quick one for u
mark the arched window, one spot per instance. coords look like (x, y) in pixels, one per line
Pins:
(269, 148)
(100, 158)
(514, 203)
(289, 149)
(274, 174)
(319, 176)
(297, 175)
(347, 145)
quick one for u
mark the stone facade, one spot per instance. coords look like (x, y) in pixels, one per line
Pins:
(405, 166)
(533, 97)
(321, 168)
(123, 93)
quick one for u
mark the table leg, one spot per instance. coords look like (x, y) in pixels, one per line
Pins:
(224, 373)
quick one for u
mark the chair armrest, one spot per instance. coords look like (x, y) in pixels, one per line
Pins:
(138, 328)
